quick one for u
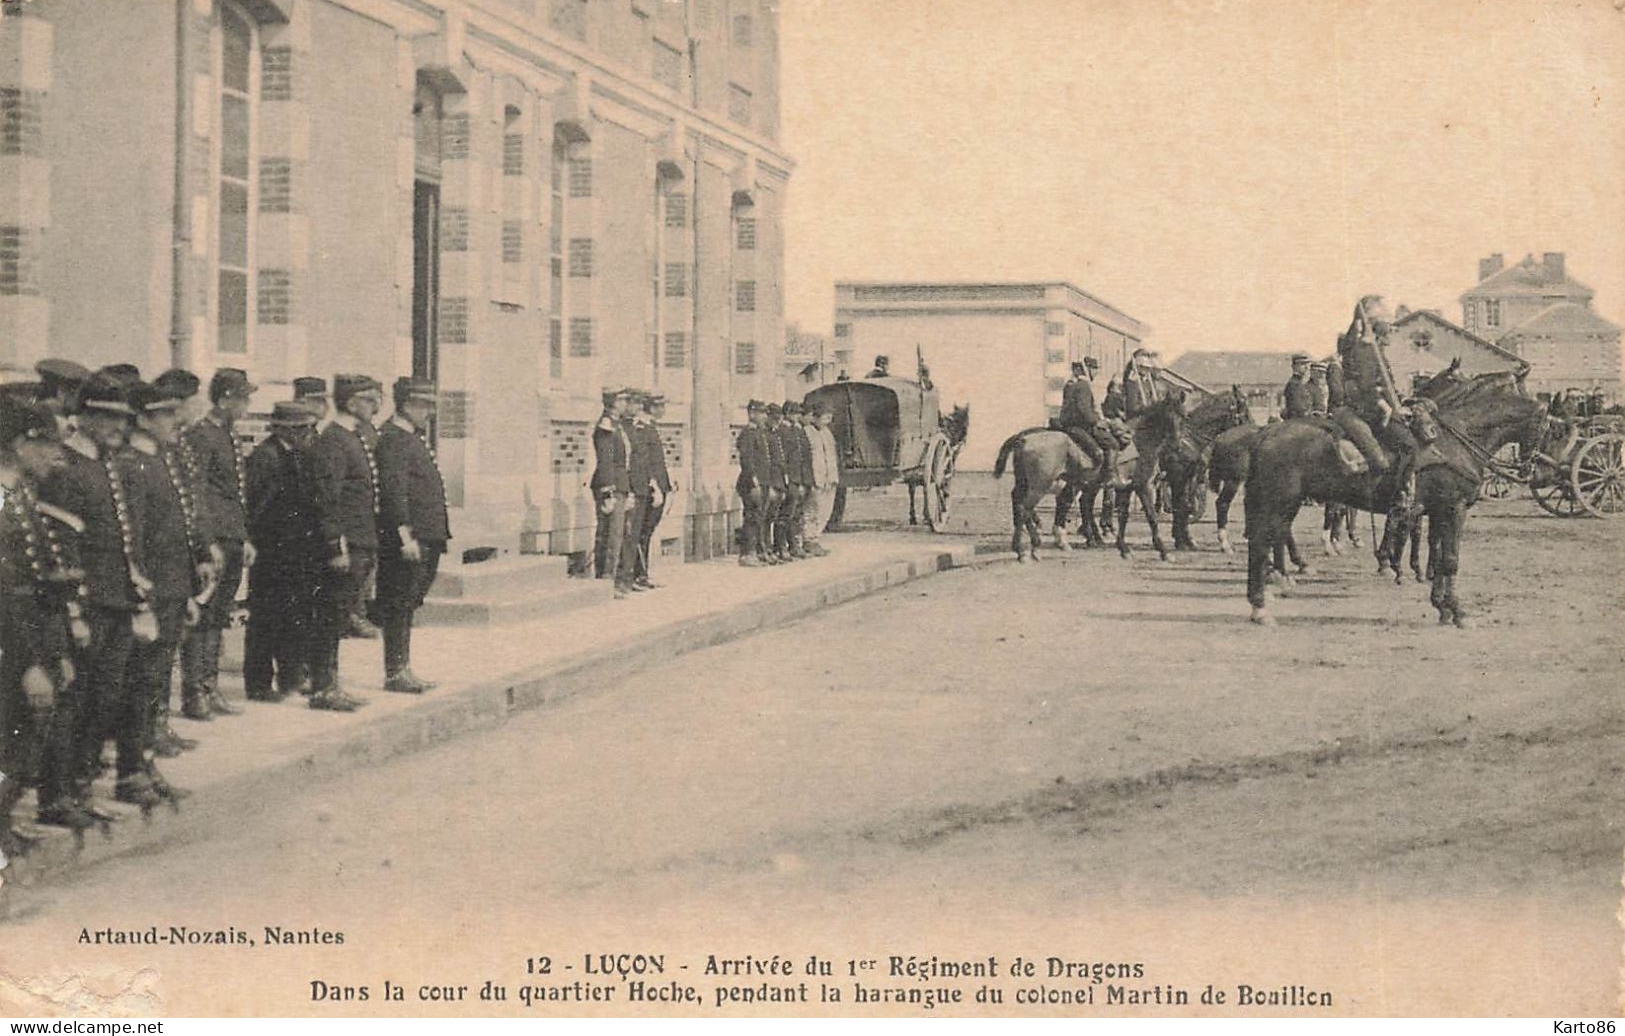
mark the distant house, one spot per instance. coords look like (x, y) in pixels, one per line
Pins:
(1259, 375)
(1544, 316)
(1422, 343)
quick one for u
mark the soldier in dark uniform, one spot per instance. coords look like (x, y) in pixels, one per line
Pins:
(1140, 385)
(311, 392)
(59, 383)
(774, 485)
(363, 565)
(1319, 394)
(1298, 400)
(178, 563)
(1112, 405)
(40, 602)
(640, 481)
(1335, 393)
(93, 485)
(752, 486)
(882, 367)
(222, 499)
(611, 485)
(650, 473)
(346, 470)
(413, 527)
(797, 476)
(1080, 419)
(285, 523)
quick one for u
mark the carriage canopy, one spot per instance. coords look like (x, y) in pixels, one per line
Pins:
(883, 427)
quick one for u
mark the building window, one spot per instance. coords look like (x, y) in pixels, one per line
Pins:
(581, 178)
(668, 66)
(745, 296)
(744, 357)
(513, 144)
(676, 211)
(1492, 312)
(234, 296)
(555, 347)
(676, 350)
(843, 330)
(581, 336)
(739, 104)
(513, 241)
(745, 227)
(581, 257)
(743, 30)
(1054, 356)
(570, 18)
(676, 280)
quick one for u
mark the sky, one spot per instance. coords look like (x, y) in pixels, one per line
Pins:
(1234, 173)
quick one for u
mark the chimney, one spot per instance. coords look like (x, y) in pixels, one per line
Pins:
(1402, 312)
(1488, 268)
(1553, 261)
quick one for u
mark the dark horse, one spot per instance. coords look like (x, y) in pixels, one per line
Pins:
(1044, 458)
(1297, 460)
(1228, 464)
(955, 426)
(1186, 460)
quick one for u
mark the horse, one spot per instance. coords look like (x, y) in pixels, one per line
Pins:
(1297, 460)
(1228, 464)
(1186, 461)
(1044, 458)
(956, 426)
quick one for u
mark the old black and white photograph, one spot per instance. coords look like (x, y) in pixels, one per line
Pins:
(717, 509)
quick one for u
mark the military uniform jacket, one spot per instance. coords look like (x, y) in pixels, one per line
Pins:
(797, 467)
(647, 467)
(35, 584)
(1078, 405)
(284, 505)
(752, 455)
(774, 440)
(170, 549)
(347, 480)
(1335, 394)
(1139, 392)
(1113, 405)
(222, 489)
(612, 451)
(83, 488)
(1300, 401)
(411, 490)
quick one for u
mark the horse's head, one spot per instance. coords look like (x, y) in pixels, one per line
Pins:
(1494, 409)
(957, 424)
(1165, 417)
(1436, 386)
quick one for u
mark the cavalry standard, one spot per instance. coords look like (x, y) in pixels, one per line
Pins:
(891, 430)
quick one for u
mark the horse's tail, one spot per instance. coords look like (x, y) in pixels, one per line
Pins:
(1008, 448)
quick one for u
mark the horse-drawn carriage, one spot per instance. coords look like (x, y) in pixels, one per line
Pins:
(1587, 477)
(893, 430)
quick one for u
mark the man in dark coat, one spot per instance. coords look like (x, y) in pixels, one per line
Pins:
(752, 487)
(775, 484)
(93, 485)
(797, 475)
(651, 480)
(285, 522)
(222, 500)
(611, 487)
(1298, 399)
(347, 480)
(1141, 389)
(1080, 418)
(413, 527)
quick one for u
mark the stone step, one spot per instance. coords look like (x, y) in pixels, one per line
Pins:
(495, 610)
(499, 577)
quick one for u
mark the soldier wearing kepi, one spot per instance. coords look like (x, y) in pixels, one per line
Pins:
(60, 381)
(1318, 390)
(311, 392)
(775, 484)
(752, 486)
(222, 498)
(357, 411)
(93, 485)
(649, 473)
(284, 519)
(1141, 389)
(413, 527)
(797, 472)
(1080, 418)
(347, 500)
(826, 477)
(178, 562)
(1298, 400)
(611, 485)
(39, 609)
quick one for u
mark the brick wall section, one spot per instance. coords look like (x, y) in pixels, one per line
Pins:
(22, 125)
(454, 417)
(19, 261)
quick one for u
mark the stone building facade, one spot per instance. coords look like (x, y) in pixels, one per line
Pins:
(1006, 349)
(525, 200)
(1537, 311)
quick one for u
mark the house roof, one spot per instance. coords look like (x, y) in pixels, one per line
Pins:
(1218, 368)
(1432, 317)
(1530, 277)
(1563, 318)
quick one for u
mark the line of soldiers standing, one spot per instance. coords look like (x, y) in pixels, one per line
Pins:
(631, 485)
(789, 470)
(128, 521)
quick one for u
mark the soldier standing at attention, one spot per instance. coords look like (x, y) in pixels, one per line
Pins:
(285, 521)
(92, 484)
(347, 474)
(611, 486)
(413, 527)
(40, 601)
(222, 499)
(646, 444)
(797, 473)
(775, 484)
(826, 478)
(640, 481)
(752, 486)
(1298, 401)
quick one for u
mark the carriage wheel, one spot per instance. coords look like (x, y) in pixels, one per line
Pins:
(1557, 498)
(1598, 475)
(939, 472)
(1495, 487)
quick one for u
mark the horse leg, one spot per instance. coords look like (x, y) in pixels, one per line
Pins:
(1179, 492)
(1063, 506)
(1034, 534)
(1227, 493)
(1328, 531)
(1261, 545)
(912, 518)
(1018, 521)
(1386, 550)
(1120, 500)
(1148, 501)
(1349, 516)
(1416, 547)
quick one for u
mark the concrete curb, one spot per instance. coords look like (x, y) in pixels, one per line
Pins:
(476, 707)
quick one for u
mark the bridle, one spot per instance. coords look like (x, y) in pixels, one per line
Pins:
(1524, 471)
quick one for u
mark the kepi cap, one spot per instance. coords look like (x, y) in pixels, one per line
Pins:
(105, 393)
(128, 373)
(291, 415)
(178, 383)
(230, 382)
(309, 388)
(147, 398)
(58, 373)
(414, 390)
(21, 417)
